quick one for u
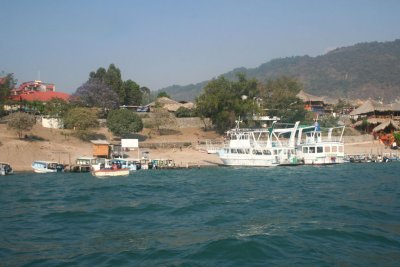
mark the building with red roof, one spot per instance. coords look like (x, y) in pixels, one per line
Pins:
(37, 91)
(40, 96)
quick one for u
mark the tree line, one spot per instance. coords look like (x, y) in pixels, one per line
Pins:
(222, 100)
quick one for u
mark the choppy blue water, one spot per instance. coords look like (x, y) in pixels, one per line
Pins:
(342, 215)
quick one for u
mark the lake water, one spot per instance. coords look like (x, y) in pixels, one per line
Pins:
(342, 215)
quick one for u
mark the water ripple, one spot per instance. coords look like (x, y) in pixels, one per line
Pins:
(342, 215)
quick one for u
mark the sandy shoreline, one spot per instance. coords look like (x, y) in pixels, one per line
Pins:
(187, 157)
(55, 146)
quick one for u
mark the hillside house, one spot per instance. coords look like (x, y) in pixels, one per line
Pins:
(317, 104)
(379, 116)
(101, 148)
(374, 109)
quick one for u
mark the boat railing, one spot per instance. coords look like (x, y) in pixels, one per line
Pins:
(316, 140)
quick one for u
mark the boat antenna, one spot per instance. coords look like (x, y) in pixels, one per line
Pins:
(237, 122)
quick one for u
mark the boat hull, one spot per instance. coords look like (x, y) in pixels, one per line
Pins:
(43, 170)
(110, 173)
(233, 160)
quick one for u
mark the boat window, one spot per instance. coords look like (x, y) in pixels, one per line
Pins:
(340, 148)
(266, 152)
(40, 164)
(258, 152)
(240, 151)
(320, 149)
(52, 166)
(334, 148)
(312, 149)
(327, 149)
(233, 150)
(247, 151)
(305, 149)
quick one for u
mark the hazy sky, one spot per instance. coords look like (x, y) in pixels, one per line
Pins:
(158, 43)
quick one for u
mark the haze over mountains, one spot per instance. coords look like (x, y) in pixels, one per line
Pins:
(362, 71)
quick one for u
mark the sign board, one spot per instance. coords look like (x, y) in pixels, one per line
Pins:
(130, 143)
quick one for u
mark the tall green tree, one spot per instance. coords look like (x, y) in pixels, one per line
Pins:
(280, 99)
(99, 75)
(122, 122)
(128, 92)
(114, 80)
(223, 101)
(133, 94)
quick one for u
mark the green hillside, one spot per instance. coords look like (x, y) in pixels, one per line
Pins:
(365, 70)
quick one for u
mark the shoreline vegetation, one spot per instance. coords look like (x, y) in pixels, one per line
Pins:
(62, 146)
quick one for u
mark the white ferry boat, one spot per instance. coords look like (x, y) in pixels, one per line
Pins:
(316, 148)
(261, 147)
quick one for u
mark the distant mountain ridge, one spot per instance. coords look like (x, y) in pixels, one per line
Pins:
(362, 71)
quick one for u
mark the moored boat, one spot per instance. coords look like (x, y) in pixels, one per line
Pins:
(260, 147)
(86, 164)
(42, 166)
(127, 163)
(102, 173)
(317, 149)
(5, 168)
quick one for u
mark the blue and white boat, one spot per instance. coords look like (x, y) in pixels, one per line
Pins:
(42, 166)
(131, 164)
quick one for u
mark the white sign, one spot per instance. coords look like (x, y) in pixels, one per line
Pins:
(130, 143)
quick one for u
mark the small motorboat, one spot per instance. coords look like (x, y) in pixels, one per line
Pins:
(115, 170)
(5, 168)
(42, 166)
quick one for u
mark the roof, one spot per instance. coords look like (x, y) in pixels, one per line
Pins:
(41, 96)
(308, 97)
(163, 101)
(171, 105)
(370, 106)
(99, 142)
(371, 121)
(386, 124)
